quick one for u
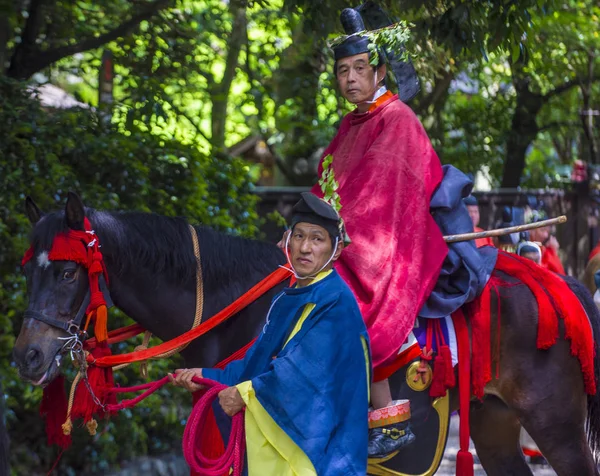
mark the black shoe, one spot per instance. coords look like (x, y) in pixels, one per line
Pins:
(385, 440)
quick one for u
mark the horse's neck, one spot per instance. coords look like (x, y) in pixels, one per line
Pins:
(150, 299)
(167, 309)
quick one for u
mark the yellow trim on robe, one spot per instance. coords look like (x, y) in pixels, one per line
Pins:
(269, 449)
(368, 363)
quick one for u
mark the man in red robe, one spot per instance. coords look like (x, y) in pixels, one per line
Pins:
(382, 170)
(386, 172)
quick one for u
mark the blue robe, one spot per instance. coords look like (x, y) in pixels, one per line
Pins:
(316, 386)
(466, 269)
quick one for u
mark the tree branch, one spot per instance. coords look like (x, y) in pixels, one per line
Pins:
(220, 92)
(38, 60)
(566, 86)
(440, 87)
(190, 120)
(552, 125)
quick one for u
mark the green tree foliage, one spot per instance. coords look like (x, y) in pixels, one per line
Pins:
(47, 153)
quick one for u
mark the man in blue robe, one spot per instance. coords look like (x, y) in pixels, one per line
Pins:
(305, 382)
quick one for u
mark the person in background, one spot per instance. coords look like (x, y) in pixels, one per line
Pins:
(549, 244)
(531, 251)
(473, 209)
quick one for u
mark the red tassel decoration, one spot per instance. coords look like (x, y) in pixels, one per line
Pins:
(450, 381)
(464, 463)
(438, 381)
(54, 409)
(464, 459)
(100, 380)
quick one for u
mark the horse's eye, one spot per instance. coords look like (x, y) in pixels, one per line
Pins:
(68, 274)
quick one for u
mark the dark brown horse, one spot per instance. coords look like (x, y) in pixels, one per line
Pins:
(151, 270)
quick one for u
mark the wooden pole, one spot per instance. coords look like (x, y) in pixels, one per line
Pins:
(504, 231)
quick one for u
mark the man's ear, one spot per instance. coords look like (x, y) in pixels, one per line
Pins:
(339, 250)
(381, 72)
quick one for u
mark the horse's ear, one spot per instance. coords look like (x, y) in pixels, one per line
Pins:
(74, 212)
(33, 211)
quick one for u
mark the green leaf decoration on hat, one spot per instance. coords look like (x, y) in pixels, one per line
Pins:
(329, 186)
(390, 38)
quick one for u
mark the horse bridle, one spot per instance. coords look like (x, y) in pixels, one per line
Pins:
(73, 326)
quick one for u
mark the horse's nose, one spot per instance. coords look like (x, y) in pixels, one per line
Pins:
(33, 358)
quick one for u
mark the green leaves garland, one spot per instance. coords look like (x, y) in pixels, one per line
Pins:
(329, 184)
(390, 38)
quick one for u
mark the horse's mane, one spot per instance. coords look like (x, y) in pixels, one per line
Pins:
(163, 245)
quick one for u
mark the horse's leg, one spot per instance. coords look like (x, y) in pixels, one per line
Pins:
(495, 430)
(561, 435)
(544, 388)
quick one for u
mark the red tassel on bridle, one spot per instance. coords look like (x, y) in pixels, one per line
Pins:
(90, 390)
(54, 409)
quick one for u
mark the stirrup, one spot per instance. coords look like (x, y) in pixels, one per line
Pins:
(389, 429)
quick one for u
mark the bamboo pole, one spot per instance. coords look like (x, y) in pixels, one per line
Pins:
(504, 231)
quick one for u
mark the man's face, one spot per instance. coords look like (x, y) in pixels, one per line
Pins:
(533, 256)
(539, 234)
(474, 214)
(358, 80)
(311, 248)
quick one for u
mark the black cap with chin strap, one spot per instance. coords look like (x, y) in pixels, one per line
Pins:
(312, 209)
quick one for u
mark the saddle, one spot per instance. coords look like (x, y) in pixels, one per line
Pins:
(411, 378)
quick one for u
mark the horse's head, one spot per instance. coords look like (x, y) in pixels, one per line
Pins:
(56, 289)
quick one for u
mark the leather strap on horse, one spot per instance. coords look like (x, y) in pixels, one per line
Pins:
(197, 315)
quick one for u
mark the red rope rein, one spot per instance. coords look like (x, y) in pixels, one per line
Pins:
(272, 280)
(233, 457)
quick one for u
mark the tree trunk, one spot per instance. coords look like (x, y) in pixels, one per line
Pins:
(5, 34)
(297, 79)
(430, 110)
(587, 118)
(22, 61)
(220, 91)
(524, 128)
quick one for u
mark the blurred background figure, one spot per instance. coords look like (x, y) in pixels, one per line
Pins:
(597, 293)
(473, 208)
(530, 250)
(549, 244)
(508, 243)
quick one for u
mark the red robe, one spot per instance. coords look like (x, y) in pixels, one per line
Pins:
(387, 172)
(594, 251)
(479, 242)
(551, 261)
